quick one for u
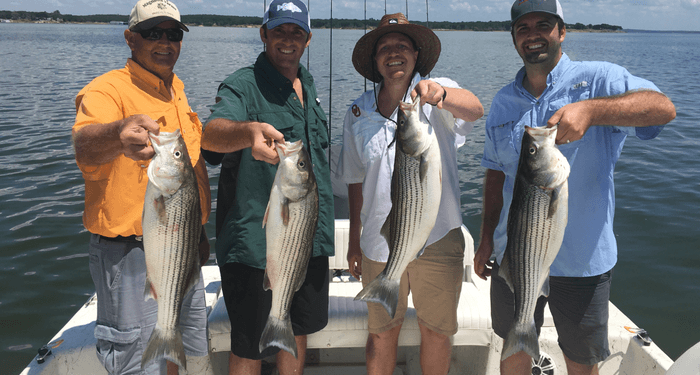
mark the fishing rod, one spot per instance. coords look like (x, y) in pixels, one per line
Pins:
(365, 21)
(427, 21)
(330, 88)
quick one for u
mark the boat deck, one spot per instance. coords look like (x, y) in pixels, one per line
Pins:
(339, 348)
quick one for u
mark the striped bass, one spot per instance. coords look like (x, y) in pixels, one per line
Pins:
(172, 224)
(536, 223)
(416, 188)
(290, 223)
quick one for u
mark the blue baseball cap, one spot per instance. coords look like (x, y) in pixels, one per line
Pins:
(287, 11)
(523, 7)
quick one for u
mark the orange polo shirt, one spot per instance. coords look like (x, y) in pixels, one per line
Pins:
(114, 192)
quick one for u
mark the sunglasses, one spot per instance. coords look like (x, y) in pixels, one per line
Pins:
(173, 35)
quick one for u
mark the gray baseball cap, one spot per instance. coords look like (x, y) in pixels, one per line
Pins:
(523, 7)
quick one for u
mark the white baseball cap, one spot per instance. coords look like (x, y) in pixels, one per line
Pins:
(146, 14)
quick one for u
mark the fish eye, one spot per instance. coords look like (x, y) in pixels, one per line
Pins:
(177, 154)
(301, 164)
(532, 150)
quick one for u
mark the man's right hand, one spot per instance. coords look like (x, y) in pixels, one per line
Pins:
(133, 134)
(263, 139)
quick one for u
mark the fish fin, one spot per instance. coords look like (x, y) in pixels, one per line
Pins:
(545, 287)
(383, 291)
(266, 282)
(504, 273)
(423, 171)
(165, 343)
(267, 212)
(279, 333)
(159, 204)
(149, 292)
(285, 212)
(386, 229)
(553, 202)
(519, 340)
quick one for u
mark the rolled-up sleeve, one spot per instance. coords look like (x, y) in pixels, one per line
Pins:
(615, 80)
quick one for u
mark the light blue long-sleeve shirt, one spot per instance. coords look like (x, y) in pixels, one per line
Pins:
(589, 247)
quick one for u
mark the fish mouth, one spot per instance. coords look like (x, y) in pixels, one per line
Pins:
(288, 148)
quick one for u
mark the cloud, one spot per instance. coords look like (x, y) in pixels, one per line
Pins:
(463, 5)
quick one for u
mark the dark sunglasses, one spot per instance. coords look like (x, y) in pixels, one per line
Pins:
(173, 35)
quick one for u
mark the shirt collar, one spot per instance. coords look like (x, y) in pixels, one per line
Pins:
(416, 78)
(277, 78)
(552, 77)
(151, 79)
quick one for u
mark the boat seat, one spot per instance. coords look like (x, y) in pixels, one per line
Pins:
(347, 318)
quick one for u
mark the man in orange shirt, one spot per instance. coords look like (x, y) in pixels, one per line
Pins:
(115, 112)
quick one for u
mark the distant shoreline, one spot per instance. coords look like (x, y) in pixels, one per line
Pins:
(318, 28)
(250, 21)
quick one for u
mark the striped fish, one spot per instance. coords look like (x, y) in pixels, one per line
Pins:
(290, 223)
(536, 223)
(172, 224)
(416, 188)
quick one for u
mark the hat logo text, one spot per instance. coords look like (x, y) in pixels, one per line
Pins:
(393, 20)
(288, 7)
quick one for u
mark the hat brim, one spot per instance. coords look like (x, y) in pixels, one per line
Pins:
(153, 22)
(427, 42)
(282, 20)
(512, 23)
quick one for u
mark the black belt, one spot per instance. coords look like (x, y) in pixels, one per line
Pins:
(132, 238)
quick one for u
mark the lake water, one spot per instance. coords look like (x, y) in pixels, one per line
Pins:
(44, 274)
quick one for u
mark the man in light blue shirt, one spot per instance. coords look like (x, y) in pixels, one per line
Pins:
(596, 106)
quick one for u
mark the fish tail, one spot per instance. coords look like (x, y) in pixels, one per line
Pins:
(521, 340)
(278, 332)
(383, 291)
(165, 343)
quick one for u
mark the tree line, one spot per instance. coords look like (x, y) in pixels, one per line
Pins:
(217, 20)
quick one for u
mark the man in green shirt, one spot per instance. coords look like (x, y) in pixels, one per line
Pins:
(273, 100)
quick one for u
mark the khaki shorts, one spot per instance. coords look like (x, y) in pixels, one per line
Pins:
(435, 282)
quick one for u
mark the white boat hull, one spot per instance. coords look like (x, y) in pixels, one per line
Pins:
(339, 348)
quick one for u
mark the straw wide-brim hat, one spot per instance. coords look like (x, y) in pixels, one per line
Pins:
(427, 42)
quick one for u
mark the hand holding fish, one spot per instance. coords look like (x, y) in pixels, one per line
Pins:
(133, 134)
(459, 102)
(430, 92)
(573, 119)
(264, 137)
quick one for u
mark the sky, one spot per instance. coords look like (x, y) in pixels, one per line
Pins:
(630, 14)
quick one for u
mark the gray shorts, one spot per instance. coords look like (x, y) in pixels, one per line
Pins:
(579, 306)
(124, 319)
